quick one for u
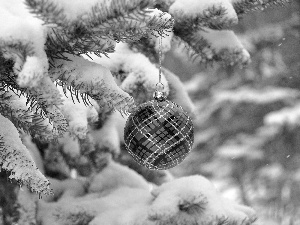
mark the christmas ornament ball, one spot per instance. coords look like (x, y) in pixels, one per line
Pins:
(159, 134)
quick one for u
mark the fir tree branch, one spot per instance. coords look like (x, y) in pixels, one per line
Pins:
(74, 93)
(138, 71)
(14, 157)
(22, 39)
(213, 17)
(200, 47)
(44, 111)
(13, 106)
(96, 31)
(101, 39)
(151, 46)
(93, 80)
(25, 62)
(40, 124)
(48, 11)
(48, 99)
(187, 28)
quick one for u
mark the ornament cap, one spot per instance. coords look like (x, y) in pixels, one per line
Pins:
(160, 96)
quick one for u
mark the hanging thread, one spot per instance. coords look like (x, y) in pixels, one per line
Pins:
(160, 56)
(160, 61)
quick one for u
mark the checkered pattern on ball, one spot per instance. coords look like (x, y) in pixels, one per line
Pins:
(159, 135)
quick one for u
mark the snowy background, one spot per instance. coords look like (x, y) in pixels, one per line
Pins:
(248, 120)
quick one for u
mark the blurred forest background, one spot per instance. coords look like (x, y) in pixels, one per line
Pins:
(247, 138)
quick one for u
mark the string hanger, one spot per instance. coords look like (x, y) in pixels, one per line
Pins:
(160, 56)
(159, 94)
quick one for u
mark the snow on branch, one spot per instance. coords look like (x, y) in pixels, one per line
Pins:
(199, 26)
(140, 75)
(95, 26)
(13, 105)
(111, 134)
(48, 100)
(150, 45)
(217, 14)
(15, 157)
(77, 113)
(22, 39)
(92, 79)
(112, 200)
(210, 45)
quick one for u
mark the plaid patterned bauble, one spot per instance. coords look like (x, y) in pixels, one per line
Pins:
(159, 134)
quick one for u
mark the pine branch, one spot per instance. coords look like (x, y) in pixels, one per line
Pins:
(188, 28)
(49, 12)
(96, 31)
(13, 106)
(26, 48)
(8, 80)
(152, 45)
(14, 157)
(101, 39)
(200, 47)
(93, 80)
(59, 42)
(74, 93)
(48, 99)
(35, 102)
(40, 126)
(21, 59)
(213, 17)
(139, 81)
